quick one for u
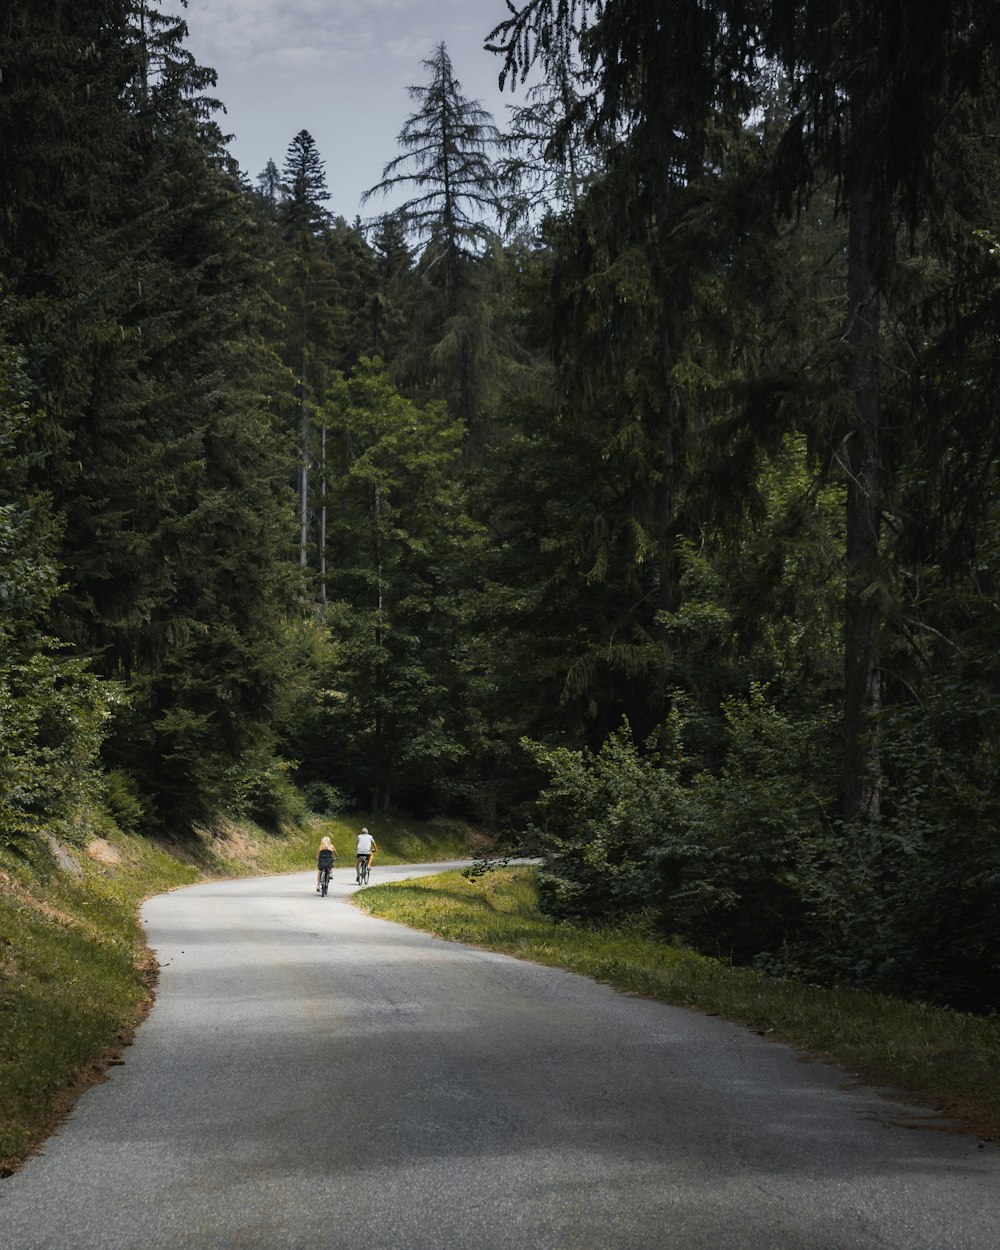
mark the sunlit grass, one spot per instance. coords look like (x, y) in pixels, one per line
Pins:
(74, 976)
(946, 1059)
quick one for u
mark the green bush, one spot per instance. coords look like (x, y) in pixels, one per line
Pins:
(911, 904)
(600, 819)
(730, 876)
(324, 799)
(717, 857)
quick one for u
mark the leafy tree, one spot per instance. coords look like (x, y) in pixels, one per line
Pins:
(402, 547)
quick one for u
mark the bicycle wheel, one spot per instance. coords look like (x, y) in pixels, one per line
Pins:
(324, 884)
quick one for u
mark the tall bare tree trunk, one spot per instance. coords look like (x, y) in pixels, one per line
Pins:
(862, 611)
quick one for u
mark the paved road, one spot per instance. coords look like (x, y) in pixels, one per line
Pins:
(313, 1079)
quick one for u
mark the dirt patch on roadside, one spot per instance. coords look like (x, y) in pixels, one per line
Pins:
(481, 843)
(229, 841)
(104, 852)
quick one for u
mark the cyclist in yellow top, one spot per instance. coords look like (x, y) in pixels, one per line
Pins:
(325, 856)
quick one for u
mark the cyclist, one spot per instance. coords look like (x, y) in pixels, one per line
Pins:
(325, 856)
(365, 849)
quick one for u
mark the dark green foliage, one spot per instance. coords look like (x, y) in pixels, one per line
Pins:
(709, 454)
(301, 209)
(401, 545)
(141, 315)
(52, 708)
(324, 799)
(714, 856)
(602, 818)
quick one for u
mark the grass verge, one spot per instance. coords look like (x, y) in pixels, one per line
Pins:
(75, 975)
(945, 1060)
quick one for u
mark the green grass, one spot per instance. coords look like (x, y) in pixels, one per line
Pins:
(944, 1059)
(75, 977)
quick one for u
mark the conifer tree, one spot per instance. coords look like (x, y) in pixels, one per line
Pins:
(454, 214)
(52, 708)
(402, 545)
(135, 291)
(270, 189)
(870, 92)
(303, 214)
(310, 295)
(395, 290)
(551, 146)
(447, 147)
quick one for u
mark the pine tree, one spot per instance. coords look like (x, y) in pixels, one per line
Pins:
(135, 290)
(447, 147)
(310, 295)
(869, 94)
(396, 293)
(52, 708)
(305, 192)
(270, 189)
(454, 213)
(551, 146)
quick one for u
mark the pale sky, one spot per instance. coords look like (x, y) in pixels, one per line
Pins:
(339, 69)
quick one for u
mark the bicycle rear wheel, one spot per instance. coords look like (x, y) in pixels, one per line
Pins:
(324, 884)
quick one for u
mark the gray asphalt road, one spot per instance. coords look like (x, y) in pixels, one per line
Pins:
(312, 1078)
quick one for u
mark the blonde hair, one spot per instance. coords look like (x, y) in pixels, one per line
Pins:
(326, 840)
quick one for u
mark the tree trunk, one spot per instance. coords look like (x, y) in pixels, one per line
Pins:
(322, 516)
(862, 612)
(304, 450)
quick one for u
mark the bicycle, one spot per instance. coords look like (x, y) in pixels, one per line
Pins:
(324, 881)
(363, 869)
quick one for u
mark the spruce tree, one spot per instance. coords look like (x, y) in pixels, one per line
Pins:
(52, 708)
(871, 92)
(136, 292)
(454, 214)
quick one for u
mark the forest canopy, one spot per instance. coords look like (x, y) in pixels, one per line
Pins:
(631, 489)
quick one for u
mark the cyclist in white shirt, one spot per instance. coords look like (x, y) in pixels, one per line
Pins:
(366, 847)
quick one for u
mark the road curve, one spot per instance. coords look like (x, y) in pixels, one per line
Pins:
(314, 1079)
